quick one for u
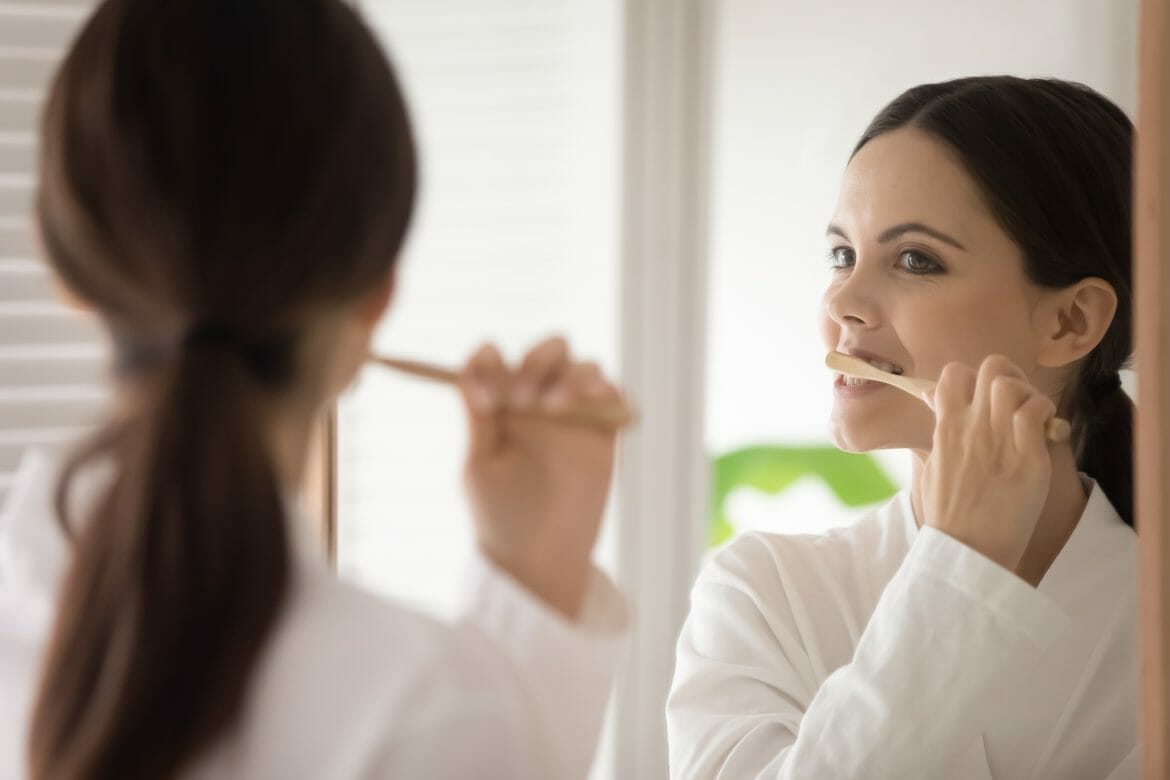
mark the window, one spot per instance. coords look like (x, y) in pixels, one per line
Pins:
(515, 107)
(515, 237)
(51, 359)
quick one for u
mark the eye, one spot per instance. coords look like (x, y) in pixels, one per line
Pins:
(841, 257)
(915, 262)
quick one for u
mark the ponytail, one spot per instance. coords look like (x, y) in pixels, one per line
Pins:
(1103, 431)
(178, 579)
(247, 162)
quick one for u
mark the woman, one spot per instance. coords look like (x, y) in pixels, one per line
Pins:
(227, 185)
(982, 624)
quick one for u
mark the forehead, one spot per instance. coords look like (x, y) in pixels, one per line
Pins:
(907, 175)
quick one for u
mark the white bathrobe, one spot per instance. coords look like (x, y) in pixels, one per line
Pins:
(884, 651)
(352, 686)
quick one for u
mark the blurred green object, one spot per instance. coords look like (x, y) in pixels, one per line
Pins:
(857, 480)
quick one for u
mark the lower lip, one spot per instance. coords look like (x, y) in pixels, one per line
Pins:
(842, 390)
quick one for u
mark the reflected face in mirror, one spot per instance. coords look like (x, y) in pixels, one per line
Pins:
(922, 274)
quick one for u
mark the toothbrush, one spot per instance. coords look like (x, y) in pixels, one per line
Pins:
(611, 417)
(1056, 430)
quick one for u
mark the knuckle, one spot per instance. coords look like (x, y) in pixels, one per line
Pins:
(555, 346)
(996, 362)
(953, 374)
(586, 371)
(1007, 388)
(485, 358)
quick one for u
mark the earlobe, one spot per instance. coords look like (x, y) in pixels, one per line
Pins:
(69, 298)
(377, 302)
(64, 292)
(1078, 318)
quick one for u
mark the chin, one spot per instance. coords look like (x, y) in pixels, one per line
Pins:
(860, 438)
(848, 438)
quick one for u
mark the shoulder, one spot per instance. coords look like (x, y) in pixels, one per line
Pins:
(795, 602)
(352, 683)
(345, 671)
(779, 563)
(358, 640)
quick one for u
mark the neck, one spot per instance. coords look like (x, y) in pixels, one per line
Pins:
(1062, 510)
(291, 441)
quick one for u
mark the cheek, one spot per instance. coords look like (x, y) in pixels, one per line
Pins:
(830, 330)
(965, 328)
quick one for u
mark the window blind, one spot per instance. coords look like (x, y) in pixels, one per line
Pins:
(51, 358)
(516, 111)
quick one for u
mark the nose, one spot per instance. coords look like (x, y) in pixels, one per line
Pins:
(851, 301)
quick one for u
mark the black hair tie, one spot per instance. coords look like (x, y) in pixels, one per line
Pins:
(214, 334)
(268, 357)
(1105, 387)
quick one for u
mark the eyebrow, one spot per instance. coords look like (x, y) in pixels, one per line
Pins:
(890, 234)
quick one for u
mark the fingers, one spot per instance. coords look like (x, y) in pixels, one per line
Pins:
(484, 385)
(992, 400)
(546, 383)
(580, 383)
(1001, 390)
(993, 372)
(953, 396)
(1006, 395)
(1029, 425)
(485, 380)
(542, 368)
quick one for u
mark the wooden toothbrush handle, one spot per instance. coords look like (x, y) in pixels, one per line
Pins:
(606, 417)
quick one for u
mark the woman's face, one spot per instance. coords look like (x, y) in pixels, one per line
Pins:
(922, 275)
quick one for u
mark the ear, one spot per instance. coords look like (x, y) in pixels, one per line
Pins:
(373, 306)
(65, 293)
(69, 298)
(1072, 321)
(356, 333)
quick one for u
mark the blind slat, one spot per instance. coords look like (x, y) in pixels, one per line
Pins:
(25, 69)
(14, 444)
(19, 112)
(52, 368)
(16, 241)
(42, 325)
(15, 199)
(42, 25)
(25, 280)
(17, 157)
(82, 410)
(33, 370)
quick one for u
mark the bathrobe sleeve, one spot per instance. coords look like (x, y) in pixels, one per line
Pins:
(518, 691)
(918, 690)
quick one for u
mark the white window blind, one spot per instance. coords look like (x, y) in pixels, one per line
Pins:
(51, 361)
(516, 112)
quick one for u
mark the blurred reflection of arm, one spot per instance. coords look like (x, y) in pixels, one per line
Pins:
(519, 691)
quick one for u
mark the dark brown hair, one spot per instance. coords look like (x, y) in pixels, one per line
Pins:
(215, 175)
(1054, 160)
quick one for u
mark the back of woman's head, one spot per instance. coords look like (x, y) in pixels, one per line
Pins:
(216, 176)
(1054, 162)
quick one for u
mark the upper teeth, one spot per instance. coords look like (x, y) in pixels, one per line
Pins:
(887, 367)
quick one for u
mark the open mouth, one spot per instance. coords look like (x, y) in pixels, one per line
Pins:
(890, 368)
